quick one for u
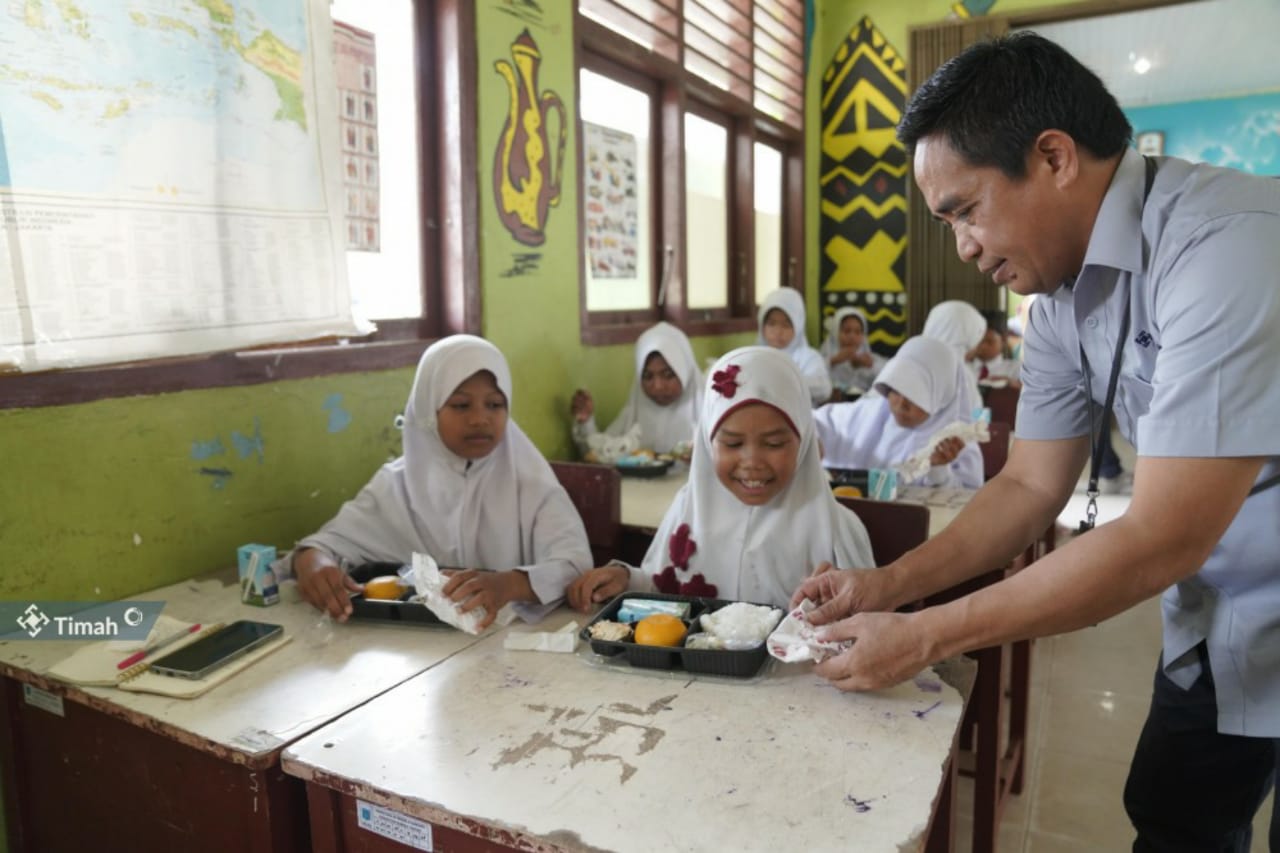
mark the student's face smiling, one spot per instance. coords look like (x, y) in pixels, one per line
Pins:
(778, 330)
(474, 418)
(1021, 232)
(659, 382)
(755, 452)
(906, 413)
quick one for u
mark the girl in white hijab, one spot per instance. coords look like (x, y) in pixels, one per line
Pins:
(960, 326)
(757, 515)
(665, 396)
(781, 321)
(919, 394)
(850, 361)
(471, 490)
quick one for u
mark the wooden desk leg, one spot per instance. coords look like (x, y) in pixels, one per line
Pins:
(942, 827)
(1019, 700)
(989, 699)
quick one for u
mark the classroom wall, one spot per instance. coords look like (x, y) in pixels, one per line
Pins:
(1240, 132)
(106, 499)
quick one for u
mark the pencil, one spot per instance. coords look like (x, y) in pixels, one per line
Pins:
(167, 641)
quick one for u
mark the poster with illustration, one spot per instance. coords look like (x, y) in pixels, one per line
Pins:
(611, 211)
(355, 65)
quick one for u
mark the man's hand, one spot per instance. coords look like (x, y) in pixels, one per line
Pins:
(842, 592)
(887, 650)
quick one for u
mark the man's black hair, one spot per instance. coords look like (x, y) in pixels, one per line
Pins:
(993, 100)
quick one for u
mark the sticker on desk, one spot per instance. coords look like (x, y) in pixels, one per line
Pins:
(255, 740)
(395, 825)
(43, 699)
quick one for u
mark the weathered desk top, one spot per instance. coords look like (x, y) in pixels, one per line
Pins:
(563, 754)
(325, 670)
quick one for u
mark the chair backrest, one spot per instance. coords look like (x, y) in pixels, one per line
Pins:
(894, 528)
(596, 492)
(996, 451)
(1003, 403)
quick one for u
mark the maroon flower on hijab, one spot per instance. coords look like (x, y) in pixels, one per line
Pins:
(679, 548)
(725, 382)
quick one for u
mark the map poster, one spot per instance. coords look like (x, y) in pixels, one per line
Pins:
(611, 215)
(355, 66)
(170, 180)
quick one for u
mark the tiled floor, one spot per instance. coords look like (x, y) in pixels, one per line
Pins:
(1089, 696)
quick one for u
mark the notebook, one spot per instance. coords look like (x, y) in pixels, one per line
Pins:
(96, 665)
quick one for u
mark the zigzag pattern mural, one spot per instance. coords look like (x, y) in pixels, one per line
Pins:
(862, 183)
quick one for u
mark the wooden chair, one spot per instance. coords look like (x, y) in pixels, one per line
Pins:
(894, 528)
(996, 451)
(1003, 403)
(596, 492)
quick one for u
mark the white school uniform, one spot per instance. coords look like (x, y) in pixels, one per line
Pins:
(864, 434)
(810, 363)
(504, 511)
(710, 543)
(845, 375)
(661, 427)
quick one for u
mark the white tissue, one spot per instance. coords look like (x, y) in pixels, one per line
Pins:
(428, 581)
(796, 640)
(563, 640)
(917, 465)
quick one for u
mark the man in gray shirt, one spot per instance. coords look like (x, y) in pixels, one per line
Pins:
(1161, 283)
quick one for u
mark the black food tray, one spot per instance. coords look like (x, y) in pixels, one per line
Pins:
(737, 664)
(398, 611)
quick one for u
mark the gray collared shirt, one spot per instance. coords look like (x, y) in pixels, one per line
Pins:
(1200, 267)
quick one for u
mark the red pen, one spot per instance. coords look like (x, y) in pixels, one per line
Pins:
(142, 653)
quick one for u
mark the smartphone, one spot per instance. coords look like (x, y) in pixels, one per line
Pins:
(215, 650)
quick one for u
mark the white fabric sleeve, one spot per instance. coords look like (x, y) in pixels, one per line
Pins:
(583, 431)
(561, 552)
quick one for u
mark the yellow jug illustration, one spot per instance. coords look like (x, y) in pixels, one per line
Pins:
(524, 186)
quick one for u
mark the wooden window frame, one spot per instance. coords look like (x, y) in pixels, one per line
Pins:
(445, 39)
(605, 51)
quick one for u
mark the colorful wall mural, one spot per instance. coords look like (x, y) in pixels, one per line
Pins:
(862, 227)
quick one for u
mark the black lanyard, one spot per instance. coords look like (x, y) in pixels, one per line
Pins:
(1095, 429)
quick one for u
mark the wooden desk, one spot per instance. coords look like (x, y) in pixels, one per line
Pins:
(89, 768)
(523, 750)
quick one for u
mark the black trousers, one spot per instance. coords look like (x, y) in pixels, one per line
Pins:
(1191, 788)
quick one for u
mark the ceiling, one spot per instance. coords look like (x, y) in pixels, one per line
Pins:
(1198, 50)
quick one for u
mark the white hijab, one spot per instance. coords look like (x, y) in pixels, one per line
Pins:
(831, 344)
(663, 427)
(813, 367)
(962, 327)
(465, 513)
(760, 553)
(864, 434)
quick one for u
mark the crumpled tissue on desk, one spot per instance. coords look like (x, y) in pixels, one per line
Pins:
(429, 583)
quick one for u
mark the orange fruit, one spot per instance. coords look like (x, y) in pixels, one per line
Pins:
(388, 587)
(660, 629)
(847, 492)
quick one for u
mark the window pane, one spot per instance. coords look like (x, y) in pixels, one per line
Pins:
(768, 207)
(616, 233)
(386, 274)
(706, 148)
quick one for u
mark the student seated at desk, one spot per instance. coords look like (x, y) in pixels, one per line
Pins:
(782, 327)
(850, 361)
(665, 396)
(757, 514)
(919, 394)
(471, 490)
(960, 326)
(989, 361)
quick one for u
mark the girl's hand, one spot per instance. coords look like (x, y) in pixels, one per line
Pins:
(597, 586)
(469, 589)
(323, 584)
(582, 407)
(946, 451)
(862, 359)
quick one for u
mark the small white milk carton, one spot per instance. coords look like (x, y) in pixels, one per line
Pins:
(257, 581)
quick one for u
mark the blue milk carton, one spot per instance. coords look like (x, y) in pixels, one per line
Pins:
(257, 581)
